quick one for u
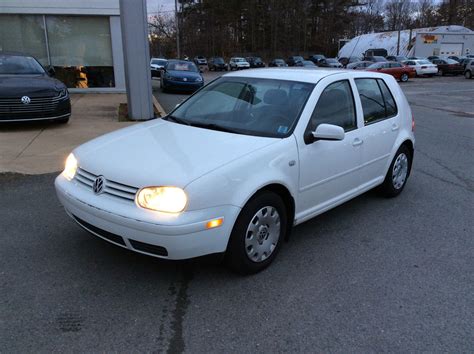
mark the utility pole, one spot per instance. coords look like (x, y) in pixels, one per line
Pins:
(178, 51)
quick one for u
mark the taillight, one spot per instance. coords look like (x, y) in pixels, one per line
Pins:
(412, 123)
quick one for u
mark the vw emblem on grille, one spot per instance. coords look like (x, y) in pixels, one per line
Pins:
(99, 184)
(185, 79)
(25, 100)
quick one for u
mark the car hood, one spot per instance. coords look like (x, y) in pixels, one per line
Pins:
(163, 153)
(30, 85)
(180, 73)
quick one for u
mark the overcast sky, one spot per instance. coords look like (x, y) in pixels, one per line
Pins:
(159, 5)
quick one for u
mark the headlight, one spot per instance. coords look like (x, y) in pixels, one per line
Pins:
(71, 167)
(198, 79)
(165, 199)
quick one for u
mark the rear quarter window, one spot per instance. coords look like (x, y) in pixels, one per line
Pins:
(376, 99)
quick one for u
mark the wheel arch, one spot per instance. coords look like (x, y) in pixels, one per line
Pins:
(409, 144)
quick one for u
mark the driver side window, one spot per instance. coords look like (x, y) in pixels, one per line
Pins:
(335, 106)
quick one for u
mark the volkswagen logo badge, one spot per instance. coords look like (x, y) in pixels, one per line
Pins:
(25, 100)
(99, 184)
(185, 79)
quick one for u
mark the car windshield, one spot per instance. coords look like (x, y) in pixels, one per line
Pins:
(250, 106)
(19, 65)
(182, 66)
(158, 62)
(218, 60)
(239, 59)
(424, 62)
(257, 60)
(279, 61)
(451, 61)
(308, 63)
(298, 58)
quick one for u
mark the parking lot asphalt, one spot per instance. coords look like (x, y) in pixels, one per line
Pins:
(372, 275)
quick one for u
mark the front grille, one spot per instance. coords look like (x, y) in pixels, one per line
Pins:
(37, 105)
(105, 234)
(111, 188)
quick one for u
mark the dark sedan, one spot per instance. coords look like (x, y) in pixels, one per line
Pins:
(29, 93)
(294, 59)
(217, 63)
(448, 66)
(255, 62)
(181, 75)
(277, 63)
(360, 65)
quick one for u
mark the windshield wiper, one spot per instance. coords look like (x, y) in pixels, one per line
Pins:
(213, 126)
(176, 120)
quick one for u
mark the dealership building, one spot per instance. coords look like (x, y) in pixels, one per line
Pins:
(422, 42)
(81, 39)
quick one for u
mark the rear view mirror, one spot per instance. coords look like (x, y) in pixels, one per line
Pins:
(328, 132)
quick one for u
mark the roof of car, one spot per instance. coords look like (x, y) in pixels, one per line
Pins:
(300, 74)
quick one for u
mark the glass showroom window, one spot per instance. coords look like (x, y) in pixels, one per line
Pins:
(24, 34)
(80, 50)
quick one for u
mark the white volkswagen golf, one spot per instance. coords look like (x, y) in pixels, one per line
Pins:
(239, 163)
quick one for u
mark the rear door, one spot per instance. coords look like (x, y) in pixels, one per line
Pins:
(380, 130)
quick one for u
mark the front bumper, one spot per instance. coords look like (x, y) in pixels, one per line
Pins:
(182, 85)
(427, 71)
(157, 234)
(60, 110)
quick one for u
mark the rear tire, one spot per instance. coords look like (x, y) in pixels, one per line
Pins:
(468, 74)
(257, 234)
(404, 77)
(397, 174)
(441, 72)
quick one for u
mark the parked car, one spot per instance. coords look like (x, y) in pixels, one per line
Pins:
(458, 58)
(156, 66)
(329, 63)
(306, 63)
(217, 63)
(28, 92)
(183, 189)
(397, 70)
(277, 63)
(181, 75)
(432, 57)
(464, 61)
(375, 59)
(315, 58)
(255, 62)
(294, 59)
(237, 63)
(360, 65)
(346, 61)
(200, 61)
(448, 66)
(380, 52)
(469, 70)
(397, 58)
(422, 67)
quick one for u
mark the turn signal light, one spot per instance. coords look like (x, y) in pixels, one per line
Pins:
(214, 223)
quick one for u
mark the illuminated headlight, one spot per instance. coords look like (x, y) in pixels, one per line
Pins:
(70, 167)
(164, 199)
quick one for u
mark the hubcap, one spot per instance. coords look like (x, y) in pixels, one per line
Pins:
(400, 171)
(262, 234)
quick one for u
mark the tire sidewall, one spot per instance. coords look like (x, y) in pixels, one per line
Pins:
(236, 255)
(387, 187)
(404, 78)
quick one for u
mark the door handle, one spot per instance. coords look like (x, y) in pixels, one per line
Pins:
(394, 127)
(357, 142)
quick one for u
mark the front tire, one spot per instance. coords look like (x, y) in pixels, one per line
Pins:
(404, 77)
(398, 173)
(468, 74)
(257, 234)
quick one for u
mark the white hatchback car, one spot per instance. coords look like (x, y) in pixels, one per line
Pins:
(239, 163)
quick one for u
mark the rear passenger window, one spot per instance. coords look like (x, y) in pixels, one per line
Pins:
(335, 106)
(377, 101)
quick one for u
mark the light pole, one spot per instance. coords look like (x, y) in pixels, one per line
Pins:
(178, 52)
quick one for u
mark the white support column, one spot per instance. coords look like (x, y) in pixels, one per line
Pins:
(136, 55)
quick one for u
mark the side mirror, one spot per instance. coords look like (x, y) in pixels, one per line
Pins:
(328, 132)
(51, 71)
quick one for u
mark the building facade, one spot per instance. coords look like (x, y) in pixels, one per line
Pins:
(81, 39)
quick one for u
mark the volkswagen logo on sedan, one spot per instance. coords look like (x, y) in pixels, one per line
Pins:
(99, 184)
(25, 100)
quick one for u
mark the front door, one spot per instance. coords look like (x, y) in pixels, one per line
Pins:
(329, 170)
